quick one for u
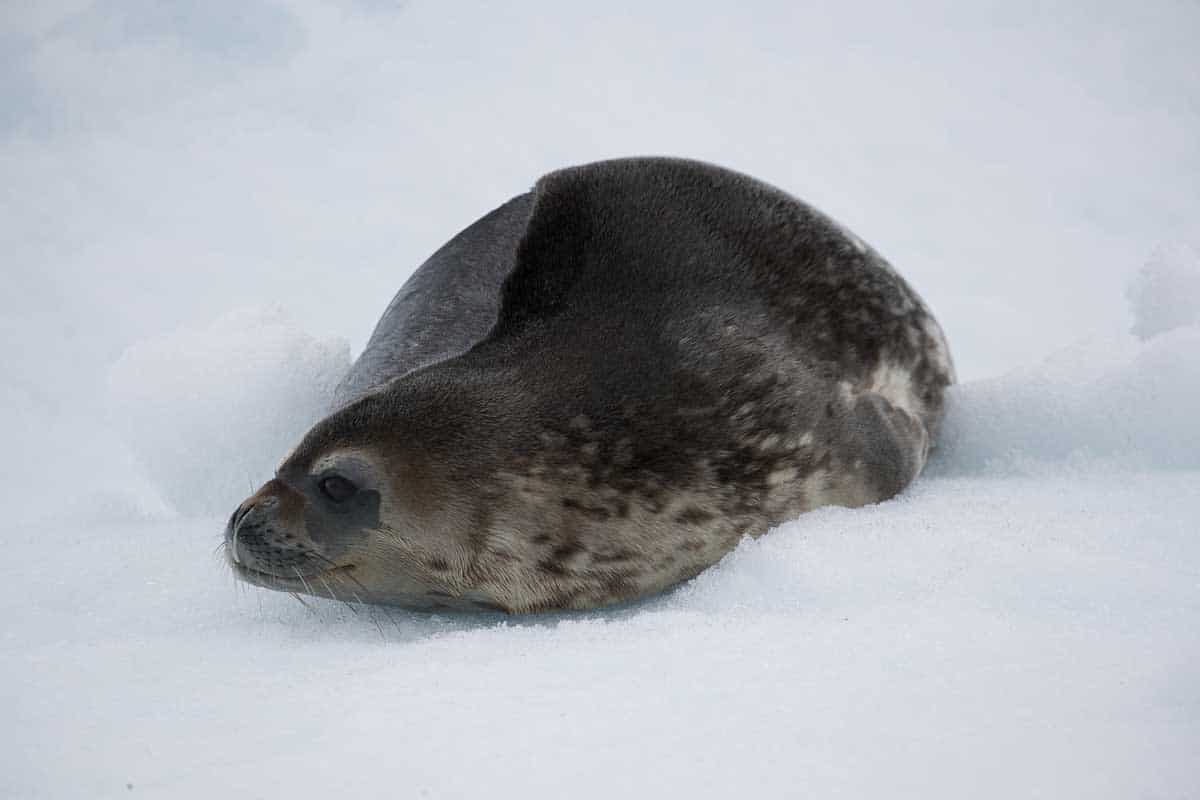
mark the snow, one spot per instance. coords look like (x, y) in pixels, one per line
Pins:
(211, 209)
(987, 634)
(247, 386)
(1166, 292)
(1116, 398)
(1021, 622)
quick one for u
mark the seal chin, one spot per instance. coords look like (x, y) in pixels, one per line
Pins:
(317, 584)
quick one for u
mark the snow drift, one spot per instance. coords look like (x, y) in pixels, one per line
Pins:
(210, 412)
(1123, 398)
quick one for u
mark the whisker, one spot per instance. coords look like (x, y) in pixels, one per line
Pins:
(325, 583)
(236, 591)
(341, 573)
(300, 600)
(370, 607)
(338, 576)
(299, 575)
(387, 611)
(333, 596)
(370, 611)
(328, 589)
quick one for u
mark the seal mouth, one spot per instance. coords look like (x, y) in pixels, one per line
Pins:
(299, 582)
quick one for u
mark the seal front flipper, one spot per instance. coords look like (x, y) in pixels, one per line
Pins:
(449, 304)
(885, 445)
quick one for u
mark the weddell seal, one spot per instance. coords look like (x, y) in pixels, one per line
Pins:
(595, 391)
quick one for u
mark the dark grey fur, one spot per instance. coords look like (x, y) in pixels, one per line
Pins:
(593, 392)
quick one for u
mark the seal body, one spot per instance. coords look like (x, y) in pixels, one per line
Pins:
(595, 391)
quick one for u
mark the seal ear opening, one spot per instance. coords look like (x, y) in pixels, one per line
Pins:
(550, 254)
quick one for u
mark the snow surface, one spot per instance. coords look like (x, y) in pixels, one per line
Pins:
(1024, 621)
(1018, 627)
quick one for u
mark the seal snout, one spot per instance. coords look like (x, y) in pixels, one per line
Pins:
(261, 540)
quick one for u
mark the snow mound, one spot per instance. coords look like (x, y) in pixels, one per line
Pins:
(210, 412)
(1126, 400)
(1118, 401)
(1165, 294)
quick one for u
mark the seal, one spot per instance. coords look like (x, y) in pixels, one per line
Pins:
(595, 391)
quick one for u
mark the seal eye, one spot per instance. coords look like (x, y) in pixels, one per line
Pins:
(338, 489)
